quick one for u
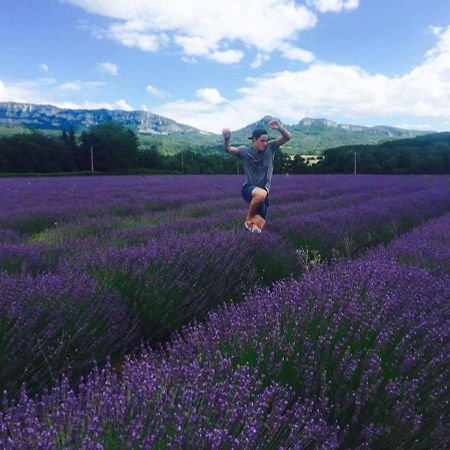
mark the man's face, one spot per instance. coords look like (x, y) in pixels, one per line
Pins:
(260, 144)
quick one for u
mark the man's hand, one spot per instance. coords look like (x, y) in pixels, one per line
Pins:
(226, 134)
(285, 135)
(275, 124)
(226, 143)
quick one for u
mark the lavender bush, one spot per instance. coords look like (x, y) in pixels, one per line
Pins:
(427, 246)
(54, 324)
(350, 357)
(349, 231)
(172, 281)
(192, 406)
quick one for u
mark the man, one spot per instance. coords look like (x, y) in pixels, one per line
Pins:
(257, 160)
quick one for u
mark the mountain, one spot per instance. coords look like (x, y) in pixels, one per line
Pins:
(52, 118)
(310, 136)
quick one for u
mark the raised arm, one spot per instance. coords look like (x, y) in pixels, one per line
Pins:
(285, 135)
(226, 143)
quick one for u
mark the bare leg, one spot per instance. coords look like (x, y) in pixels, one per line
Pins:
(258, 197)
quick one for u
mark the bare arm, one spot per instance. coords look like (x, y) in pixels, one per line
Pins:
(285, 135)
(226, 143)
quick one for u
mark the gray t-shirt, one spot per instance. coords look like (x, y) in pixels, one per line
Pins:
(258, 166)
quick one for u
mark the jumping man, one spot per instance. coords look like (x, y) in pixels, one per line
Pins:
(257, 160)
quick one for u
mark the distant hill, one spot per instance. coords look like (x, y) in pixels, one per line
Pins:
(310, 136)
(53, 118)
(313, 136)
(422, 154)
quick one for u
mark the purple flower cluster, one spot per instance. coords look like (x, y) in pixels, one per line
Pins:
(179, 278)
(427, 246)
(350, 230)
(350, 355)
(52, 324)
(161, 405)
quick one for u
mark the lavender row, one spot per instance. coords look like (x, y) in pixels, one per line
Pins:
(426, 246)
(33, 204)
(307, 221)
(349, 231)
(43, 252)
(107, 301)
(352, 357)
(194, 406)
(54, 324)
(177, 279)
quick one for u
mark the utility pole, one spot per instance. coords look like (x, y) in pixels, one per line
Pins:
(92, 158)
(182, 163)
(354, 165)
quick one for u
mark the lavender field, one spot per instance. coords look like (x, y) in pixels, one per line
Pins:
(137, 312)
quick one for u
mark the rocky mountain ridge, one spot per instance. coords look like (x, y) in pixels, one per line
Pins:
(310, 136)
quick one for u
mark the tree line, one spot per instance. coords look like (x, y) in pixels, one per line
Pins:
(112, 148)
(428, 154)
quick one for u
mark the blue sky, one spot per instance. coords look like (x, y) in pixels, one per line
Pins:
(228, 63)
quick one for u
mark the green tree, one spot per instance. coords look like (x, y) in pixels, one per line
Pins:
(114, 147)
(298, 165)
(151, 158)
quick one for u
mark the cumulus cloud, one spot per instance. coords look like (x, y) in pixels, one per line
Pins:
(210, 95)
(155, 91)
(4, 93)
(108, 68)
(296, 53)
(330, 90)
(259, 60)
(333, 5)
(36, 91)
(216, 30)
(29, 91)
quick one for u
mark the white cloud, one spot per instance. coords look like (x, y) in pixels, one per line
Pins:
(33, 92)
(70, 86)
(330, 90)
(260, 59)
(80, 85)
(108, 68)
(333, 5)
(155, 91)
(200, 28)
(296, 53)
(29, 91)
(193, 45)
(415, 126)
(122, 104)
(131, 34)
(227, 56)
(94, 83)
(43, 67)
(4, 93)
(210, 95)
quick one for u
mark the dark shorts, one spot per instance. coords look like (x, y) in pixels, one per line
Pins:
(263, 210)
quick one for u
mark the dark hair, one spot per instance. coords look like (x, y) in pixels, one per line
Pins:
(257, 133)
